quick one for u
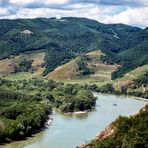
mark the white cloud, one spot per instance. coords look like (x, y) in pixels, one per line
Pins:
(144, 2)
(4, 11)
(91, 11)
(45, 2)
(21, 2)
(135, 16)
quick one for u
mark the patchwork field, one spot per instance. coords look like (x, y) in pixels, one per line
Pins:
(128, 77)
(70, 73)
(8, 65)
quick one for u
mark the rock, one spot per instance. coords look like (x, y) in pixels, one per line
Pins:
(27, 32)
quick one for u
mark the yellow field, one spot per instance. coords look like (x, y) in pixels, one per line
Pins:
(7, 65)
(69, 71)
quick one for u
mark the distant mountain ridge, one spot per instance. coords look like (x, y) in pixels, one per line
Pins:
(67, 30)
(68, 37)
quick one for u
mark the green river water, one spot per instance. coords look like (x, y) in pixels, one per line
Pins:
(68, 131)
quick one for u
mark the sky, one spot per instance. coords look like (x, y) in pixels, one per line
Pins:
(131, 12)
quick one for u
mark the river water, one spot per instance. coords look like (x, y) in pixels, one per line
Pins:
(68, 131)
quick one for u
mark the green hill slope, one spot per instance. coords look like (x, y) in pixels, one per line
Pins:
(64, 39)
(87, 68)
(124, 132)
(24, 65)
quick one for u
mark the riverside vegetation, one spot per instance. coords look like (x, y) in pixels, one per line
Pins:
(128, 89)
(126, 132)
(39, 46)
(25, 105)
(66, 38)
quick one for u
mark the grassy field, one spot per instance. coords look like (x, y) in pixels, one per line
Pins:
(7, 65)
(128, 77)
(68, 73)
(64, 72)
(86, 81)
(21, 76)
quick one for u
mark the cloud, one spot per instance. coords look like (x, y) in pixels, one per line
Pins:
(4, 11)
(135, 17)
(37, 3)
(131, 3)
(131, 12)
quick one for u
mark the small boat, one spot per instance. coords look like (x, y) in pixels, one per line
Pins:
(114, 104)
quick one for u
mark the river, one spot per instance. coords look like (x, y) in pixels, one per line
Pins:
(68, 131)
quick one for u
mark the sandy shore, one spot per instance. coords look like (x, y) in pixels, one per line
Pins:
(76, 113)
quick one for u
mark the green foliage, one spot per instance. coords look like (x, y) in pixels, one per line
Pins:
(55, 56)
(142, 80)
(24, 65)
(20, 115)
(25, 104)
(71, 98)
(107, 88)
(82, 67)
(129, 132)
(70, 37)
(131, 58)
(138, 87)
(85, 100)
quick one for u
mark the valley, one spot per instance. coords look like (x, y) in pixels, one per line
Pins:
(62, 66)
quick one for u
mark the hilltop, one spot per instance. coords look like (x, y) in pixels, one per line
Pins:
(87, 67)
(66, 38)
(106, 58)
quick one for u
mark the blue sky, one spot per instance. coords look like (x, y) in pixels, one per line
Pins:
(131, 12)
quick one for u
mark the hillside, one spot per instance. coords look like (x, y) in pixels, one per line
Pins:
(13, 66)
(66, 71)
(130, 76)
(135, 56)
(83, 56)
(87, 68)
(76, 34)
(124, 132)
(63, 39)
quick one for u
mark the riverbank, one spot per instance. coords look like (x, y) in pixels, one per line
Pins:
(49, 120)
(123, 95)
(68, 130)
(78, 112)
(111, 129)
(32, 132)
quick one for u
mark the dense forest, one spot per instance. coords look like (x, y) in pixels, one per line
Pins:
(25, 105)
(20, 115)
(65, 38)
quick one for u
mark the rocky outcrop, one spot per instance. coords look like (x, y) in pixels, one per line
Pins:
(109, 130)
(27, 32)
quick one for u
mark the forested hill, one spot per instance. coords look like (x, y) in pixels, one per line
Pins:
(67, 37)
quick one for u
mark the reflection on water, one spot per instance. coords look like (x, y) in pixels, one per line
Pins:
(22, 143)
(68, 131)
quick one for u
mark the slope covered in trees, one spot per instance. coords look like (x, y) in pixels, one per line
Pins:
(65, 38)
(25, 105)
(125, 132)
(133, 57)
(21, 115)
